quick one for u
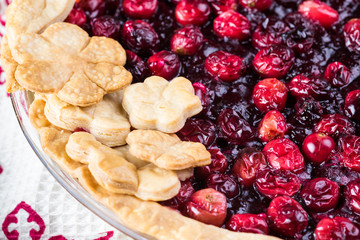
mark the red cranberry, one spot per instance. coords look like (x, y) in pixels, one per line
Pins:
(259, 5)
(202, 92)
(233, 25)
(247, 165)
(194, 12)
(136, 66)
(165, 64)
(338, 228)
(77, 16)
(185, 192)
(319, 12)
(198, 130)
(286, 216)
(224, 184)
(269, 33)
(93, 8)
(274, 61)
(139, 8)
(352, 195)
(234, 128)
(106, 26)
(272, 126)
(300, 39)
(301, 86)
(317, 147)
(284, 154)
(352, 105)
(308, 111)
(246, 222)
(335, 125)
(351, 34)
(218, 164)
(274, 183)
(224, 66)
(320, 194)
(187, 40)
(270, 94)
(140, 36)
(349, 147)
(337, 74)
(207, 206)
(221, 6)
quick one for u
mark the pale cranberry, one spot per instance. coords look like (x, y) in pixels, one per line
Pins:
(317, 147)
(319, 12)
(224, 66)
(194, 12)
(207, 206)
(139, 8)
(335, 125)
(301, 86)
(337, 228)
(352, 195)
(202, 92)
(218, 164)
(106, 26)
(187, 40)
(352, 34)
(270, 94)
(308, 111)
(224, 184)
(198, 130)
(272, 126)
(269, 33)
(246, 222)
(283, 154)
(77, 16)
(165, 64)
(274, 61)
(93, 8)
(233, 25)
(337, 74)
(136, 66)
(221, 6)
(260, 5)
(248, 163)
(349, 147)
(352, 105)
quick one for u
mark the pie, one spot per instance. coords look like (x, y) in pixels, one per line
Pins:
(199, 119)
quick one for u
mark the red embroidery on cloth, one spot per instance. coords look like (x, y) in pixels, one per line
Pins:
(107, 237)
(58, 237)
(1, 169)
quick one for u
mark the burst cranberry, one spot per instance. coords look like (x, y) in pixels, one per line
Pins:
(300, 39)
(272, 126)
(284, 154)
(165, 64)
(202, 92)
(250, 223)
(140, 36)
(317, 147)
(224, 184)
(269, 33)
(218, 164)
(274, 61)
(187, 40)
(320, 194)
(247, 165)
(233, 25)
(337, 74)
(198, 130)
(337, 228)
(224, 66)
(106, 26)
(136, 66)
(352, 195)
(352, 105)
(207, 206)
(270, 94)
(260, 5)
(274, 183)
(234, 128)
(139, 8)
(308, 111)
(349, 147)
(185, 192)
(286, 216)
(335, 125)
(93, 8)
(301, 86)
(352, 34)
(221, 6)
(194, 12)
(77, 16)
(319, 12)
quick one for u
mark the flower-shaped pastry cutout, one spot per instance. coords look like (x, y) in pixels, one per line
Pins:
(167, 150)
(106, 120)
(161, 105)
(66, 61)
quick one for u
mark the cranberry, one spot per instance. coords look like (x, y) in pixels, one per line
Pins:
(349, 147)
(106, 26)
(136, 66)
(274, 61)
(250, 223)
(218, 164)
(270, 94)
(352, 105)
(335, 125)
(198, 130)
(77, 16)
(224, 66)
(80, 129)
(337, 228)
(274, 183)
(352, 34)
(352, 195)
(337, 74)
(248, 163)
(140, 36)
(272, 126)
(284, 154)
(224, 184)
(300, 39)
(93, 8)
(319, 12)
(194, 12)
(301, 86)
(202, 92)
(308, 111)
(139, 8)
(165, 64)
(317, 147)
(259, 5)
(286, 216)
(221, 6)
(185, 192)
(269, 33)
(207, 206)
(320, 194)
(234, 128)
(233, 25)
(187, 40)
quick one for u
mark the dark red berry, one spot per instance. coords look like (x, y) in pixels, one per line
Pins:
(337, 74)
(300, 39)
(334, 125)
(220, 6)
(198, 130)
(352, 195)
(187, 40)
(136, 66)
(202, 92)
(352, 34)
(308, 111)
(272, 126)
(178, 202)
(106, 26)
(337, 228)
(233, 25)
(319, 12)
(352, 105)
(224, 184)
(301, 86)
(259, 5)
(139, 8)
(246, 222)
(77, 16)
(93, 8)
(317, 147)
(349, 148)
(218, 164)
(269, 33)
(194, 12)
(165, 64)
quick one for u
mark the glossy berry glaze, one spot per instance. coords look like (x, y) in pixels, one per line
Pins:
(316, 67)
